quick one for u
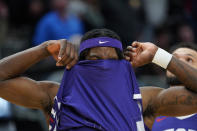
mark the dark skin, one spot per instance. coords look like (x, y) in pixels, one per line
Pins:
(25, 91)
(174, 101)
(39, 94)
(188, 56)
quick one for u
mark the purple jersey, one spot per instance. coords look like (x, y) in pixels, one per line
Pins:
(183, 123)
(98, 95)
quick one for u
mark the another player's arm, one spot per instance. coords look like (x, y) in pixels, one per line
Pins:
(143, 53)
(176, 101)
(184, 72)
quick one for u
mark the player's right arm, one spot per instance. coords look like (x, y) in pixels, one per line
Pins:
(63, 51)
(29, 93)
(24, 91)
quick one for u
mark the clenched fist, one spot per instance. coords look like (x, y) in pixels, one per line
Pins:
(63, 52)
(140, 53)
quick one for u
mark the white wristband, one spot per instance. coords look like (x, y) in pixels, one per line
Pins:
(162, 58)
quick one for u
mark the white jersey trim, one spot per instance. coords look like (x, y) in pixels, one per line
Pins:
(185, 117)
(137, 96)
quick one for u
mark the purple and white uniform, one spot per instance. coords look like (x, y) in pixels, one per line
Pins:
(183, 123)
(98, 95)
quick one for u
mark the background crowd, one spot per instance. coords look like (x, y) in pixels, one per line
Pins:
(27, 23)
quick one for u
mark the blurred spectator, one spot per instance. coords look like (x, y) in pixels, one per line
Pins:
(191, 13)
(25, 12)
(185, 33)
(93, 16)
(182, 16)
(156, 11)
(89, 12)
(175, 9)
(17, 27)
(163, 37)
(124, 17)
(36, 9)
(57, 24)
(3, 21)
(18, 12)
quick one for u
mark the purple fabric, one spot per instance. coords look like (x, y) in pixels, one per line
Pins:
(174, 124)
(97, 95)
(100, 42)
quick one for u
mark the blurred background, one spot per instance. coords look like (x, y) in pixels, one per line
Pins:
(27, 23)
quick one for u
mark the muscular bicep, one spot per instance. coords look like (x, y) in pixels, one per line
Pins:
(176, 101)
(28, 93)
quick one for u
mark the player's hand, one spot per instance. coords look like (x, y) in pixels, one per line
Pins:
(140, 53)
(63, 52)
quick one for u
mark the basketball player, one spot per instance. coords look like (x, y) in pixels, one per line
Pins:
(186, 52)
(106, 45)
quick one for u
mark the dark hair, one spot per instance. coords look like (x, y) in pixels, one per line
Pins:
(99, 33)
(192, 46)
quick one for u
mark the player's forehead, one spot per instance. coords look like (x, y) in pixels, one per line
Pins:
(185, 51)
(102, 53)
(101, 50)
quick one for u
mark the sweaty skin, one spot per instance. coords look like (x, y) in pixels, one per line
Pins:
(172, 101)
(25, 91)
(39, 94)
(188, 56)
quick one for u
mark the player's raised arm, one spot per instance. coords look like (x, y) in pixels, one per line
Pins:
(176, 101)
(14, 65)
(24, 91)
(143, 53)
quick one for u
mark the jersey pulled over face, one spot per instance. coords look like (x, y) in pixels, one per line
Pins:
(102, 53)
(98, 95)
